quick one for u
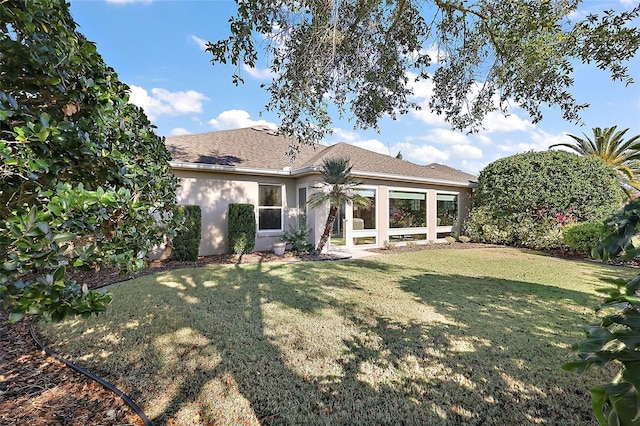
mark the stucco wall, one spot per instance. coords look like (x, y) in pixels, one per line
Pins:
(213, 192)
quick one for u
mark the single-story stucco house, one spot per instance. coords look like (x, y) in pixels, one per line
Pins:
(409, 202)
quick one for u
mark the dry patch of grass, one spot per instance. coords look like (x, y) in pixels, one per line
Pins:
(430, 337)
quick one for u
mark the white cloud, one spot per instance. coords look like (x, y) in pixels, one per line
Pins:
(423, 154)
(372, 145)
(345, 135)
(163, 102)
(236, 119)
(179, 131)
(258, 73)
(496, 121)
(445, 136)
(535, 140)
(466, 152)
(628, 3)
(202, 44)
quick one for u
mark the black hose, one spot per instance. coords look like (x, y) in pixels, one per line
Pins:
(127, 399)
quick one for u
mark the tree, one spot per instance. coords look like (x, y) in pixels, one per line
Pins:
(363, 55)
(526, 199)
(337, 188)
(610, 145)
(84, 180)
(614, 340)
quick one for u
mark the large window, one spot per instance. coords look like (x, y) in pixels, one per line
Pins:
(447, 209)
(270, 207)
(407, 209)
(364, 217)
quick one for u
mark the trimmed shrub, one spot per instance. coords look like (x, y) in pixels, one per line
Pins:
(186, 243)
(242, 228)
(583, 237)
(525, 200)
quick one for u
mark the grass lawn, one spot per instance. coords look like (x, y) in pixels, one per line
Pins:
(432, 337)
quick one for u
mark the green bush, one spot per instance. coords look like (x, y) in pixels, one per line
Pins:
(298, 237)
(84, 177)
(186, 243)
(527, 199)
(242, 228)
(613, 340)
(583, 237)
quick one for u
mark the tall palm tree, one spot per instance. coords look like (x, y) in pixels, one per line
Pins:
(338, 187)
(610, 145)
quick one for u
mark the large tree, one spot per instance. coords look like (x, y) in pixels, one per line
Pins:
(610, 145)
(363, 55)
(84, 179)
(337, 188)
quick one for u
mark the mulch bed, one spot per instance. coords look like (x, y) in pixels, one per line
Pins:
(36, 389)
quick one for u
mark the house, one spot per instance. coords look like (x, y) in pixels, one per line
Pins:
(409, 202)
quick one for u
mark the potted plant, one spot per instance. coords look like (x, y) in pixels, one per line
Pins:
(279, 247)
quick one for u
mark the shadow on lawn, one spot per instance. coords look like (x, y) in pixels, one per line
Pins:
(476, 362)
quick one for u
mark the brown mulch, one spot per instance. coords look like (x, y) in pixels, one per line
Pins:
(36, 389)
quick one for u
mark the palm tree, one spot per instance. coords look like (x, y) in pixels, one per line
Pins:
(337, 188)
(609, 145)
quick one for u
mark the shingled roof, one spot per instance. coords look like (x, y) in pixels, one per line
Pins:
(261, 148)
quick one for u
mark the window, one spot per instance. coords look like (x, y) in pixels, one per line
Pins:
(270, 207)
(364, 217)
(302, 208)
(407, 209)
(447, 209)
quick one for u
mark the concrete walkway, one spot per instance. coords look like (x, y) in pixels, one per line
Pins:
(354, 253)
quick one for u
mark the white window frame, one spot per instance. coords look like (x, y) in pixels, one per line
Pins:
(447, 228)
(365, 232)
(281, 208)
(409, 231)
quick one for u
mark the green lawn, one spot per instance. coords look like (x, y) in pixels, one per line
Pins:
(432, 337)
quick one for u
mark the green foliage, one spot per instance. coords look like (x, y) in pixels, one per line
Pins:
(616, 337)
(526, 199)
(186, 243)
(464, 239)
(367, 55)
(83, 177)
(585, 236)
(609, 145)
(298, 236)
(242, 228)
(338, 187)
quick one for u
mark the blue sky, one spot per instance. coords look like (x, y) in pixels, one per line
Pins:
(157, 48)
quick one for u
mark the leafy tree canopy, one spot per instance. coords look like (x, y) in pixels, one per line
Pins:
(362, 55)
(83, 176)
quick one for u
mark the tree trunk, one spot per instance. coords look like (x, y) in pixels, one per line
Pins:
(328, 227)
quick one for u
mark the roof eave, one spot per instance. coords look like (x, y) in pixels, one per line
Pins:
(177, 165)
(404, 178)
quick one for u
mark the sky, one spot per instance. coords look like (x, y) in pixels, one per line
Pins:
(157, 48)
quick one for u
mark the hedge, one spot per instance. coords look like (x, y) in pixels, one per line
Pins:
(242, 228)
(186, 243)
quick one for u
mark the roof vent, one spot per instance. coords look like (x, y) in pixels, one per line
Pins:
(263, 128)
